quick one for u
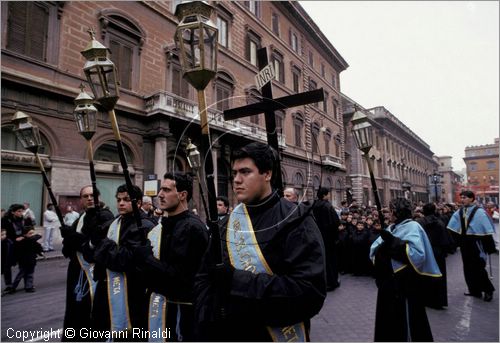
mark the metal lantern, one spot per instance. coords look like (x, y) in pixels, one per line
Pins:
(362, 130)
(85, 114)
(193, 156)
(101, 73)
(27, 133)
(196, 38)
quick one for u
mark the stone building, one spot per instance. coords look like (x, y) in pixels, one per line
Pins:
(157, 110)
(451, 182)
(401, 160)
(482, 171)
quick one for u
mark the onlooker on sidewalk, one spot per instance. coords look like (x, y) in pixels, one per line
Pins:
(50, 223)
(70, 216)
(28, 213)
(26, 251)
(8, 261)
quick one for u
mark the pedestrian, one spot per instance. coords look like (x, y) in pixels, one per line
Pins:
(171, 258)
(222, 208)
(80, 284)
(70, 216)
(272, 277)
(473, 231)
(28, 213)
(328, 223)
(26, 251)
(291, 194)
(147, 206)
(120, 298)
(436, 288)
(8, 261)
(13, 221)
(401, 255)
(360, 250)
(50, 224)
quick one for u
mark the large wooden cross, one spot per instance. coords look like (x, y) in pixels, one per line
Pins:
(267, 106)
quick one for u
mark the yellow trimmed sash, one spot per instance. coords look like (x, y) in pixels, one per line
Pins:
(81, 287)
(117, 288)
(245, 254)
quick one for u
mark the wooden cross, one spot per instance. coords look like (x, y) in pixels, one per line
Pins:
(267, 106)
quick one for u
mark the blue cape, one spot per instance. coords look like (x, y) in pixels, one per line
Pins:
(480, 225)
(418, 248)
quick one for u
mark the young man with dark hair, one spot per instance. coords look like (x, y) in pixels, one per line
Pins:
(120, 297)
(222, 207)
(401, 255)
(272, 280)
(472, 228)
(171, 258)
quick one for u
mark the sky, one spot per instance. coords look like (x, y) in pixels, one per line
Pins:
(432, 64)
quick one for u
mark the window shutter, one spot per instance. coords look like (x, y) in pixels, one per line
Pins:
(37, 27)
(126, 66)
(16, 30)
(176, 79)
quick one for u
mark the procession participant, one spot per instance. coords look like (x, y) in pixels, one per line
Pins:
(120, 299)
(171, 258)
(273, 276)
(291, 194)
(222, 208)
(402, 255)
(472, 228)
(80, 285)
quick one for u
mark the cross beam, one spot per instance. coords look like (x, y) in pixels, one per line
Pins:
(267, 106)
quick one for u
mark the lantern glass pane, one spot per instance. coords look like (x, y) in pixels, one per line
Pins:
(29, 137)
(210, 42)
(101, 76)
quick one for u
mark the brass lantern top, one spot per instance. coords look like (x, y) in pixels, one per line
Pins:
(193, 155)
(85, 114)
(362, 130)
(94, 49)
(193, 8)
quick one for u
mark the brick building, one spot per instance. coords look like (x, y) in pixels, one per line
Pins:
(401, 160)
(451, 182)
(482, 171)
(157, 110)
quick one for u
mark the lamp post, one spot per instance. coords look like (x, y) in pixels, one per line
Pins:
(196, 38)
(363, 136)
(86, 123)
(101, 75)
(29, 136)
(435, 180)
(194, 160)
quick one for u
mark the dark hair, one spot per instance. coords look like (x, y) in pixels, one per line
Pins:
(322, 192)
(224, 199)
(468, 194)
(49, 206)
(402, 208)
(97, 189)
(261, 154)
(429, 209)
(14, 207)
(136, 191)
(183, 182)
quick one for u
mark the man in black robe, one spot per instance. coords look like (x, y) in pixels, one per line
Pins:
(116, 256)
(436, 289)
(328, 223)
(183, 241)
(233, 304)
(76, 248)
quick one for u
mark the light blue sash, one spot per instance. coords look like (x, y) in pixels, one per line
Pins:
(82, 287)
(418, 249)
(157, 302)
(245, 254)
(117, 288)
(479, 226)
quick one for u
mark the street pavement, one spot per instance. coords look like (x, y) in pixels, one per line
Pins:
(348, 314)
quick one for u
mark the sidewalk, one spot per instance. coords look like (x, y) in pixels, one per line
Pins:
(57, 243)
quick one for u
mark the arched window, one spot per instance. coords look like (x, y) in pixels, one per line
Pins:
(316, 182)
(298, 180)
(10, 142)
(224, 85)
(108, 152)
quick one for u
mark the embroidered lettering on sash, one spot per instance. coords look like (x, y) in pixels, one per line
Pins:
(289, 334)
(116, 285)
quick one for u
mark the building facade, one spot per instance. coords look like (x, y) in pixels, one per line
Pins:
(157, 111)
(482, 171)
(451, 181)
(401, 160)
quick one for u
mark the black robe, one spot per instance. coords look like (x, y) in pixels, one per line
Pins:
(184, 240)
(361, 252)
(293, 249)
(120, 258)
(436, 288)
(78, 310)
(328, 223)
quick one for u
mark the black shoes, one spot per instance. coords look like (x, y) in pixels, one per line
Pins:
(475, 295)
(488, 296)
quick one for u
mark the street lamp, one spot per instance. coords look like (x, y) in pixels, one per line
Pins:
(363, 136)
(86, 123)
(436, 180)
(29, 136)
(102, 77)
(193, 156)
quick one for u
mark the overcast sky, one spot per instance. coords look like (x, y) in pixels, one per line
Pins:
(433, 64)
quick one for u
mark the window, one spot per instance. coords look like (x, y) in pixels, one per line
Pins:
(254, 7)
(223, 90)
(311, 59)
(328, 138)
(322, 70)
(252, 44)
(298, 123)
(312, 86)
(298, 179)
(254, 96)
(222, 26)
(294, 41)
(108, 152)
(338, 141)
(296, 79)
(279, 66)
(491, 165)
(124, 39)
(280, 118)
(325, 102)
(473, 166)
(335, 109)
(179, 85)
(315, 135)
(334, 80)
(33, 29)
(275, 23)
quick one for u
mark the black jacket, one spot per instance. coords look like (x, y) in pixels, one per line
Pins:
(26, 251)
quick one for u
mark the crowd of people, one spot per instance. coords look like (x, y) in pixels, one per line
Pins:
(160, 273)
